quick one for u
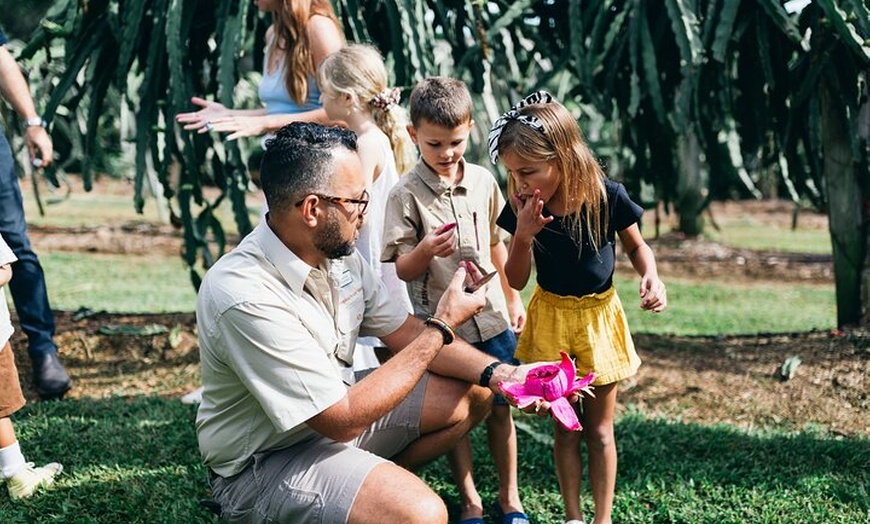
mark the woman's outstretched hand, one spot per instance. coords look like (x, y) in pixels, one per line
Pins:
(202, 120)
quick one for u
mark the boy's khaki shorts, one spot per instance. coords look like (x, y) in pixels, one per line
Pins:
(318, 479)
(11, 397)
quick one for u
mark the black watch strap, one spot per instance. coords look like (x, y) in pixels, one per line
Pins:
(486, 375)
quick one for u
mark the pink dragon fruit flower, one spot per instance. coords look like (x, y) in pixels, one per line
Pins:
(555, 384)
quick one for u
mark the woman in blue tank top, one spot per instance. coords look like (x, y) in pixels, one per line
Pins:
(302, 34)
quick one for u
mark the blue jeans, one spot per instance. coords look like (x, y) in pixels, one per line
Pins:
(502, 347)
(28, 280)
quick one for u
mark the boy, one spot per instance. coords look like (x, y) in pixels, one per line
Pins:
(440, 213)
(22, 479)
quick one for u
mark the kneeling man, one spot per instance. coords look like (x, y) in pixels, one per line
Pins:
(288, 431)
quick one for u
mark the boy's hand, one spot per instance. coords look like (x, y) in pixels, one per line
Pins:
(441, 242)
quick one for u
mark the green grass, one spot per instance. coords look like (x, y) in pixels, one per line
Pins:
(135, 460)
(111, 204)
(718, 308)
(748, 233)
(125, 460)
(117, 283)
(671, 472)
(160, 283)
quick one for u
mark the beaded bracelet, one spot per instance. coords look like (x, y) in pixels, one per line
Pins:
(443, 327)
(486, 376)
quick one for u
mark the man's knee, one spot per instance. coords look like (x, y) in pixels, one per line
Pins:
(428, 510)
(393, 494)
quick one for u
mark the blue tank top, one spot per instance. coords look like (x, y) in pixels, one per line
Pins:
(275, 96)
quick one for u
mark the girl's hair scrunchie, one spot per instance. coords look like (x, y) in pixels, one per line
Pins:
(538, 97)
(386, 99)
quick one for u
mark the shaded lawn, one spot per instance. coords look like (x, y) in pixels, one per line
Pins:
(135, 460)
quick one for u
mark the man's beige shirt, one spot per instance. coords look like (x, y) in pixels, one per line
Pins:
(276, 341)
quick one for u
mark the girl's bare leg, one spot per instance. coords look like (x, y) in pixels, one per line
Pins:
(569, 468)
(598, 413)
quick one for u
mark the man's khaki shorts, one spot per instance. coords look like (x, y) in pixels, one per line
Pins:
(318, 479)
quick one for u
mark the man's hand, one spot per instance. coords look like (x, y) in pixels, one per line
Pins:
(39, 146)
(14, 89)
(456, 306)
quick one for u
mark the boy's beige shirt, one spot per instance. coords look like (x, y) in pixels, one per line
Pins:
(421, 202)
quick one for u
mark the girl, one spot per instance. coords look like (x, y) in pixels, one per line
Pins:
(566, 214)
(302, 34)
(354, 88)
(22, 478)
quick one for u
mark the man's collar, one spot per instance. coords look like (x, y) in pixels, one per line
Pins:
(292, 268)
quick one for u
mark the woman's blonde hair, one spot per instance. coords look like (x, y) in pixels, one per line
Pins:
(358, 71)
(560, 140)
(290, 23)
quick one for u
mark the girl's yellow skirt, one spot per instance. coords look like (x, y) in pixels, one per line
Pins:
(592, 329)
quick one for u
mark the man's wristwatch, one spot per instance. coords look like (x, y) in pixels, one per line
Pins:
(36, 121)
(486, 376)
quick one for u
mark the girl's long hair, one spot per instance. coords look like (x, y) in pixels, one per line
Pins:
(582, 185)
(290, 24)
(358, 70)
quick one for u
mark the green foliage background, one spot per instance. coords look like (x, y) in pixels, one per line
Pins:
(684, 100)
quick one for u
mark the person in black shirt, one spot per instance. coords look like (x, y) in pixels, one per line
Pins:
(565, 215)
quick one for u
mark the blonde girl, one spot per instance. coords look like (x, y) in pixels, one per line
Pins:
(565, 215)
(355, 90)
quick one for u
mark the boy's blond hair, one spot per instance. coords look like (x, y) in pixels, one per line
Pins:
(442, 101)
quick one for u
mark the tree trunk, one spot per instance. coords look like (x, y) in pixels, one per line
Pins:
(845, 215)
(864, 134)
(692, 185)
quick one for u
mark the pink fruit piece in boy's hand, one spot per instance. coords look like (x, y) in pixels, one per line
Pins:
(555, 384)
(447, 227)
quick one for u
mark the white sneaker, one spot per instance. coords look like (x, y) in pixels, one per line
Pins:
(29, 479)
(574, 521)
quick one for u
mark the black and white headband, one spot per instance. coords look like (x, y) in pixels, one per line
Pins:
(538, 97)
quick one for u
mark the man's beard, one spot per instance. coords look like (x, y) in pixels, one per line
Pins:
(330, 241)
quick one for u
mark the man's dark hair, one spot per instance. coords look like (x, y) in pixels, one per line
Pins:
(299, 160)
